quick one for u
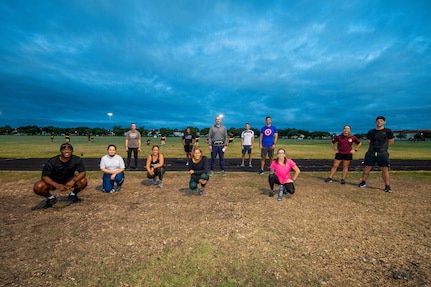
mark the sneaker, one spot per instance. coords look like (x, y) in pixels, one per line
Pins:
(342, 181)
(202, 192)
(160, 184)
(223, 173)
(328, 179)
(362, 184)
(50, 202)
(211, 173)
(261, 172)
(118, 188)
(74, 198)
(112, 191)
(388, 188)
(250, 165)
(271, 193)
(155, 181)
(242, 165)
(187, 163)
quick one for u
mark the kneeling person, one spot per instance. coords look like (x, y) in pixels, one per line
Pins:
(155, 166)
(63, 172)
(112, 165)
(280, 174)
(198, 169)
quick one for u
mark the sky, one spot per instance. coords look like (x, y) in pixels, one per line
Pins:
(309, 64)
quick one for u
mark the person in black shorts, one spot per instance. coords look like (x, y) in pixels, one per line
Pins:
(188, 141)
(64, 172)
(379, 140)
(343, 152)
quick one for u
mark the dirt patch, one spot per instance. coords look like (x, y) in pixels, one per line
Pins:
(326, 234)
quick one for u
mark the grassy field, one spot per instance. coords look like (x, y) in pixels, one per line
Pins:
(42, 147)
(326, 234)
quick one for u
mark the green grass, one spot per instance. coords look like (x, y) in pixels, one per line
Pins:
(41, 147)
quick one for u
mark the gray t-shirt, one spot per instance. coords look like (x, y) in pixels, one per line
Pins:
(133, 137)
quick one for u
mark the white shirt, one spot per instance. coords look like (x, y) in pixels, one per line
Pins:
(247, 135)
(112, 163)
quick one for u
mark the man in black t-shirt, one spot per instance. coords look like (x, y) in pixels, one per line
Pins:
(64, 172)
(379, 140)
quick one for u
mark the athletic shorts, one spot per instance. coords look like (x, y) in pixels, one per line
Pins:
(247, 148)
(188, 148)
(267, 150)
(381, 158)
(339, 156)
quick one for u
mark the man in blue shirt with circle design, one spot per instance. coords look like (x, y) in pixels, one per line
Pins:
(268, 140)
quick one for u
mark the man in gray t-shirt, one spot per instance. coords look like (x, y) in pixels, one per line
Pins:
(133, 144)
(217, 143)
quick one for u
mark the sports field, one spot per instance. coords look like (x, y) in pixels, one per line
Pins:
(326, 234)
(42, 147)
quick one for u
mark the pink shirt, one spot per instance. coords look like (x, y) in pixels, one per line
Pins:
(282, 171)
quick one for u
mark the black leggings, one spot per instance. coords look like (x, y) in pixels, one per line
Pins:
(273, 179)
(160, 171)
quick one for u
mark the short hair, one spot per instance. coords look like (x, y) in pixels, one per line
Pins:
(113, 146)
(381, 118)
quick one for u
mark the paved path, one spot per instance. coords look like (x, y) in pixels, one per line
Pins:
(232, 165)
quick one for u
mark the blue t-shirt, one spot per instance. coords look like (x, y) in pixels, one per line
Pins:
(268, 135)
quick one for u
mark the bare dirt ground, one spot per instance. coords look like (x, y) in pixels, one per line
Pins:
(326, 234)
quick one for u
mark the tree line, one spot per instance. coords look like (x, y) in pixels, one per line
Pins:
(120, 131)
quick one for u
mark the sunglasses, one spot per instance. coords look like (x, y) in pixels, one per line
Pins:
(66, 146)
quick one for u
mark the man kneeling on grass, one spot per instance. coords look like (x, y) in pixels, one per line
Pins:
(280, 174)
(63, 172)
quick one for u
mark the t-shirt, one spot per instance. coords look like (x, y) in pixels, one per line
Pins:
(62, 172)
(188, 139)
(379, 139)
(112, 162)
(133, 137)
(247, 136)
(282, 171)
(268, 135)
(344, 145)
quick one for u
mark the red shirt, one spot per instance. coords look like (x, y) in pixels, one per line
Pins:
(345, 143)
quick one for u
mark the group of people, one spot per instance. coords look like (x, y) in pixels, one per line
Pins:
(66, 172)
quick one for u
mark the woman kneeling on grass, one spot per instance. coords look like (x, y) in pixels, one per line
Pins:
(112, 165)
(198, 169)
(155, 166)
(280, 174)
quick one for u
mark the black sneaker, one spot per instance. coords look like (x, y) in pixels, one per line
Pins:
(388, 188)
(342, 181)
(363, 184)
(50, 202)
(271, 193)
(74, 198)
(328, 179)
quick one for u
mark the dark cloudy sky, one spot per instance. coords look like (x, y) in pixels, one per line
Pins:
(314, 65)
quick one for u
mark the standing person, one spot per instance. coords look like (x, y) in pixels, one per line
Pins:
(197, 136)
(133, 145)
(187, 141)
(112, 166)
(52, 137)
(280, 174)
(217, 144)
(163, 139)
(247, 142)
(267, 142)
(64, 172)
(379, 140)
(156, 166)
(198, 169)
(343, 153)
(67, 137)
